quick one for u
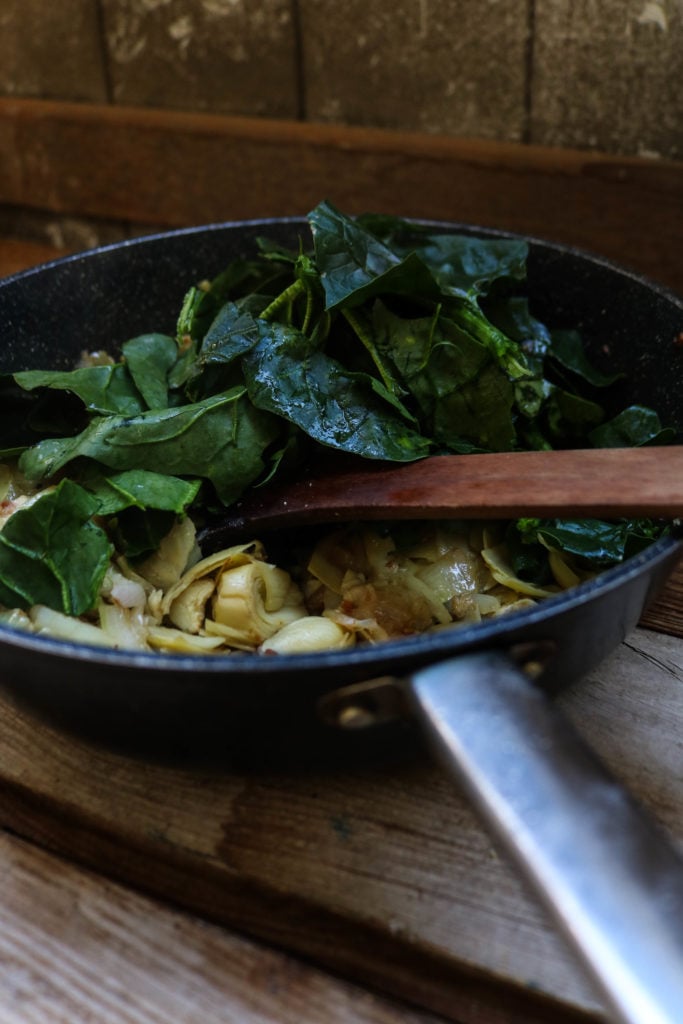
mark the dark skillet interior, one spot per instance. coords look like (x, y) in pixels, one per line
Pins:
(102, 298)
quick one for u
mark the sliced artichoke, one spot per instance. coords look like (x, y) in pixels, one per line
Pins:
(502, 571)
(175, 553)
(252, 602)
(309, 633)
(188, 610)
(163, 638)
(49, 622)
(210, 568)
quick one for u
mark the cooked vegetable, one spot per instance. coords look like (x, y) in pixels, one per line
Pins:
(388, 340)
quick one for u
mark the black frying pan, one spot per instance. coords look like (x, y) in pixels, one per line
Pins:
(614, 886)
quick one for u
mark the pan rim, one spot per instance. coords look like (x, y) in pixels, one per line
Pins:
(466, 227)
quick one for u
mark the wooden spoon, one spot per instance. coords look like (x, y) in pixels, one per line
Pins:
(606, 482)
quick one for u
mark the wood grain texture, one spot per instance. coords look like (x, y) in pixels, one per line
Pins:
(666, 612)
(377, 870)
(168, 168)
(76, 948)
(454, 67)
(51, 50)
(237, 57)
(607, 76)
(592, 75)
(16, 255)
(572, 483)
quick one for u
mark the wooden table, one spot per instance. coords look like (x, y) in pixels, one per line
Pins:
(133, 890)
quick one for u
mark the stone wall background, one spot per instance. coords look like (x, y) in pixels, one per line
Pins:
(590, 74)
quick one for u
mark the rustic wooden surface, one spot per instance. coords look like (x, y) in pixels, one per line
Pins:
(606, 75)
(379, 872)
(454, 67)
(666, 613)
(52, 50)
(600, 76)
(236, 57)
(164, 168)
(77, 949)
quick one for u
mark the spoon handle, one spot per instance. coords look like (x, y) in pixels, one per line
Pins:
(604, 482)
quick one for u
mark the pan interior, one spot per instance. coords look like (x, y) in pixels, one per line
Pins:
(103, 297)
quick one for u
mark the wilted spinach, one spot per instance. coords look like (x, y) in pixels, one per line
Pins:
(386, 339)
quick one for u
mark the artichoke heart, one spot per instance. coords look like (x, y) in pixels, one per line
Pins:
(252, 602)
(188, 610)
(176, 641)
(209, 568)
(166, 566)
(309, 633)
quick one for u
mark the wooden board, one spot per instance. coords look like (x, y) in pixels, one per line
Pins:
(606, 76)
(164, 168)
(52, 50)
(666, 612)
(235, 57)
(77, 948)
(458, 69)
(602, 76)
(378, 870)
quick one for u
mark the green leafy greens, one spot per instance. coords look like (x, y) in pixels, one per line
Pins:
(388, 340)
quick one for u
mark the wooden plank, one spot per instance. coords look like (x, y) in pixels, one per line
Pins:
(606, 76)
(16, 255)
(666, 612)
(235, 57)
(454, 68)
(162, 167)
(77, 948)
(376, 869)
(51, 50)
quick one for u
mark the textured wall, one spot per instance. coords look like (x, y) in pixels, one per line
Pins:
(451, 66)
(592, 74)
(608, 75)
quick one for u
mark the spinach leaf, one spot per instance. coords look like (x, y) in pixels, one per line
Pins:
(142, 489)
(570, 418)
(469, 267)
(202, 302)
(509, 354)
(463, 265)
(461, 391)
(287, 375)
(635, 426)
(513, 317)
(231, 335)
(355, 266)
(592, 540)
(139, 532)
(568, 350)
(149, 359)
(102, 389)
(141, 506)
(528, 557)
(222, 438)
(52, 553)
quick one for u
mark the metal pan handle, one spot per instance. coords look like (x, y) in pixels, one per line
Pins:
(607, 874)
